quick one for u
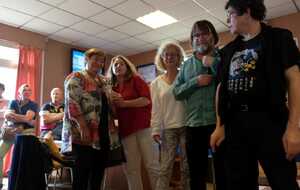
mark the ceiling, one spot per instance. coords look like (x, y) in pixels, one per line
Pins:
(111, 25)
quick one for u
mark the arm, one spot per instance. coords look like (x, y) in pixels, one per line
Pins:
(183, 89)
(218, 135)
(73, 96)
(156, 113)
(144, 99)
(49, 118)
(291, 138)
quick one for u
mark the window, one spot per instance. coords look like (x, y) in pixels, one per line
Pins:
(9, 57)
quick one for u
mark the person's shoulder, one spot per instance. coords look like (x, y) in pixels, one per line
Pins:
(137, 77)
(156, 81)
(13, 102)
(33, 103)
(189, 60)
(46, 105)
(77, 74)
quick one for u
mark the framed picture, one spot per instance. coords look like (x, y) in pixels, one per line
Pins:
(147, 71)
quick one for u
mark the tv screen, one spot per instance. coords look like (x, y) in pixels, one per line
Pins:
(147, 71)
(77, 57)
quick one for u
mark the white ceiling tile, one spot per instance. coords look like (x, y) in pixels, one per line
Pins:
(41, 26)
(184, 10)
(70, 34)
(133, 9)
(60, 17)
(159, 4)
(212, 4)
(53, 2)
(30, 7)
(147, 47)
(88, 27)
(159, 42)
(113, 46)
(281, 10)
(173, 29)
(131, 42)
(191, 20)
(61, 39)
(151, 36)
(82, 8)
(133, 28)
(127, 52)
(112, 35)
(10, 17)
(220, 14)
(275, 3)
(96, 42)
(109, 3)
(109, 18)
(93, 41)
(182, 37)
(221, 28)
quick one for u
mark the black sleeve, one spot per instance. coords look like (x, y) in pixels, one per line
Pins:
(45, 107)
(290, 54)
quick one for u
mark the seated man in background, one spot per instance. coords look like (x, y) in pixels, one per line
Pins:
(52, 114)
(21, 117)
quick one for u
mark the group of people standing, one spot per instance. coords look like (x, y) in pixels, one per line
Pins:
(232, 101)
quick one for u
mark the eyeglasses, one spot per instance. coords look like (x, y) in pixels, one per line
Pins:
(201, 34)
(165, 55)
(230, 14)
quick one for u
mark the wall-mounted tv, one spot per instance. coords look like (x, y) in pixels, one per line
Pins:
(77, 60)
(147, 71)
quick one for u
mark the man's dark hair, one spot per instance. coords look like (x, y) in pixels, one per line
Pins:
(257, 8)
(206, 26)
(2, 86)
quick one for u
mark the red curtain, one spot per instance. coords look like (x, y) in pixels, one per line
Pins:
(29, 72)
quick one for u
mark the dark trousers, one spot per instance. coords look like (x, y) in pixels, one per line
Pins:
(253, 137)
(89, 167)
(197, 145)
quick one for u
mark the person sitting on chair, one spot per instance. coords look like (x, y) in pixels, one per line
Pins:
(21, 115)
(52, 114)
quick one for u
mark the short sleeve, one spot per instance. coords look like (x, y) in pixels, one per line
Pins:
(289, 52)
(142, 87)
(13, 106)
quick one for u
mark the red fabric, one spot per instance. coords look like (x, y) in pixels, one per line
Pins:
(133, 119)
(29, 72)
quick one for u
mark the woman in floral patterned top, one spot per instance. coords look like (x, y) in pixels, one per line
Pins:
(86, 121)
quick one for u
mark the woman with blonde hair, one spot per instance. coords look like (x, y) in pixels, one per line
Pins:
(167, 120)
(131, 97)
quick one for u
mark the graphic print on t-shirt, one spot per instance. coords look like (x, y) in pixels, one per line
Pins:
(241, 72)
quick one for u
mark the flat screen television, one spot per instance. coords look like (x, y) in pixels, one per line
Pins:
(77, 60)
(147, 71)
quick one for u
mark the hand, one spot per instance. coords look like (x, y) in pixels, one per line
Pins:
(115, 96)
(85, 134)
(291, 141)
(207, 60)
(204, 79)
(120, 103)
(157, 138)
(217, 137)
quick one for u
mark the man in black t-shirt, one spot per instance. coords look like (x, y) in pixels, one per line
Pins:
(259, 67)
(52, 114)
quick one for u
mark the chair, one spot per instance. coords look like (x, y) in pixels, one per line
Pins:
(59, 163)
(58, 174)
